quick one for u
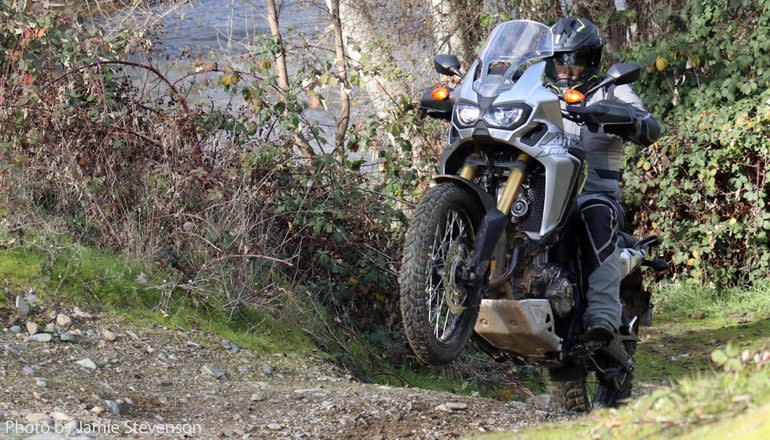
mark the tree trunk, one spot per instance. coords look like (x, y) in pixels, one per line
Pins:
(339, 52)
(456, 27)
(281, 70)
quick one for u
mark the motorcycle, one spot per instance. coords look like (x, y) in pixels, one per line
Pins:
(491, 253)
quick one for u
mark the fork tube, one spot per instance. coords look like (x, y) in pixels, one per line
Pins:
(469, 171)
(513, 185)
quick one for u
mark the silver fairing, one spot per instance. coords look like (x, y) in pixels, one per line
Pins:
(562, 169)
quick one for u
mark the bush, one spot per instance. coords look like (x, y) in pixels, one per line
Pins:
(703, 187)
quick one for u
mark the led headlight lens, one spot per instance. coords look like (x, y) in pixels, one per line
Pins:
(467, 115)
(503, 117)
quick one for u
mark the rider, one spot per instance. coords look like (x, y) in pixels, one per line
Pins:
(575, 64)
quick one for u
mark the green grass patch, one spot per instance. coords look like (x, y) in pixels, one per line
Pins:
(95, 279)
(705, 406)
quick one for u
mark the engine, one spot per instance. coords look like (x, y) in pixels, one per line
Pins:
(544, 280)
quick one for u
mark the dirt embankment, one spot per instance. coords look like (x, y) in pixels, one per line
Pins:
(88, 376)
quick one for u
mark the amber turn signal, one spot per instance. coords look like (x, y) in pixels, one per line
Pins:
(440, 93)
(573, 96)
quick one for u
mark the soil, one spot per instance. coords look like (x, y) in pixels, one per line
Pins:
(161, 383)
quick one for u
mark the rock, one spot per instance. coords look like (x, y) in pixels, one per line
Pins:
(268, 369)
(452, 406)
(41, 382)
(310, 390)
(15, 329)
(539, 401)
(27, 370)
(113, 407)
(212, 371)
(109, 336)
(243, 369)
(60, 416)
(256, 397)
(274, 426)
(67, 337)
(40, 337)
(63, 320)
(97, 411)
(50, 328)
(87, 364)
(141, 278)
(39, 418)
(52, 315)
(81, 314)
(22, 306)
(188, 226)
(262, 385)
(32, 327)
(192, 344)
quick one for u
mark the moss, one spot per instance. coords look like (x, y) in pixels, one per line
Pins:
(93, 278)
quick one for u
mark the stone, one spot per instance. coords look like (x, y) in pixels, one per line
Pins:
(268, 369)
(40, 337)
(309, 390)
(60, 416)
(540, 401)
(97, 411)
(39, 418)
(67, 337)
(243, 369)
(50, 328)
(452, 406)
(109, 336)
(41, 382)
(192, 344)
(81, 314)
(113, 407)
(87, 364)
(22, 306)
(256, 397)
(27, 370)
(32, 327)
(52, 315)
(212, 371)
(141, 278)
(262, 385)
(63, 320)
(188, 226)
(15, 329)
(274, 426)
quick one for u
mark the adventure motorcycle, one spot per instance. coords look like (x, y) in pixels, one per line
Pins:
(492, 249)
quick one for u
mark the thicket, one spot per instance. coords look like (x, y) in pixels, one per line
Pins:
(220, 197)
(704, 186)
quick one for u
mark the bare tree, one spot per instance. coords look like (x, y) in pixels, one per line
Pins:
(457, 27)
(280, 66)
(339, 51)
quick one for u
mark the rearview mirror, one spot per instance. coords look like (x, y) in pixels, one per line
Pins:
(624, 73)
(447, 65)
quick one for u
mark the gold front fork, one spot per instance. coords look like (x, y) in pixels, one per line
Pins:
(513, 185)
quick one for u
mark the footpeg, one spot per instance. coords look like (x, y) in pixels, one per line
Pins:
(656, 265)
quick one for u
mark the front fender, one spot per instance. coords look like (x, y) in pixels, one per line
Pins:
(485, 200)
(492, 224)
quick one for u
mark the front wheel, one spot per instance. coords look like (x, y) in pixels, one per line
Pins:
(437, 316)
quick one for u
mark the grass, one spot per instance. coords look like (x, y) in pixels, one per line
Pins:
(93, 279)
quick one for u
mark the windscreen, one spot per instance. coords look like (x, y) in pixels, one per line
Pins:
(510, 45)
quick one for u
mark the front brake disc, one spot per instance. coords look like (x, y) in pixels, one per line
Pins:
(454, 295)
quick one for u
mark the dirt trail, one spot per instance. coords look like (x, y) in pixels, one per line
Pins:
(155, 382)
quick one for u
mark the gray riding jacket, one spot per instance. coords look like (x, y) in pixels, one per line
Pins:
(605, 151)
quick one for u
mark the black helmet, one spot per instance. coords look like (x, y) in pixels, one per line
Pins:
(577, 53)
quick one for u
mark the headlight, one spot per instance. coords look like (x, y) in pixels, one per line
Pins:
(506, 116)
(467, 115)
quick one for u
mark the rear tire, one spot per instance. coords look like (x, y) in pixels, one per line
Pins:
(441, 231)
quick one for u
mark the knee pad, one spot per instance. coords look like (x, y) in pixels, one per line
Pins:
(601, 226)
